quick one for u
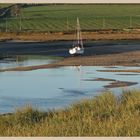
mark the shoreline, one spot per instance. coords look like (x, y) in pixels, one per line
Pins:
(29, 121)
(61, 36)
(97, 53)
(125, 59)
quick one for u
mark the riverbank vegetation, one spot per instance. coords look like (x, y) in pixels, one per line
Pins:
(104, 115)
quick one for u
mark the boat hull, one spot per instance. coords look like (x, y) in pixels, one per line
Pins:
(77, 51)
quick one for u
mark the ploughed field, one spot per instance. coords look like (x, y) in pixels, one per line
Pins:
(53, 18)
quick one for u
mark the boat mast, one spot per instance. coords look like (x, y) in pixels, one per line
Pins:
(78, 31)
(79, 36)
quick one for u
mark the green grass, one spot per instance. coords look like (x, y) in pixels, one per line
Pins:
(4, 5)
(104, 115)
(63, 17)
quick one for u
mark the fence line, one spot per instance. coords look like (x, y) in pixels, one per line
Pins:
(20, 23)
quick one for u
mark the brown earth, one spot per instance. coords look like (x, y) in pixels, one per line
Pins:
(116, 84)
(100, 35)
(113, 83)
(99, 79)
(129, 58)
(128, 74)
(136, 71)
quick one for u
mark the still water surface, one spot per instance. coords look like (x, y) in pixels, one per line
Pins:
(57, 87)
(26, 60)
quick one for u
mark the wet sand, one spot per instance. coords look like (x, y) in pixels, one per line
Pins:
(125, 59)
(97, 53)
(135, 71)
(99, 79)
(116, 84)
(128, 74)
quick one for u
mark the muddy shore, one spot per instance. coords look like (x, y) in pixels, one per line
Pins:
(125, 59)
(59, 36)
(97, 53)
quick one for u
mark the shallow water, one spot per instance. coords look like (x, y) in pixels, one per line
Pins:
(57, 87)
(26, 60)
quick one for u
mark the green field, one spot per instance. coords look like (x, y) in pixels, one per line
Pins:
(63, 18)
(4, 5)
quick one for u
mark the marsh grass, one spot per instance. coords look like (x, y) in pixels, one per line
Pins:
(104, 115)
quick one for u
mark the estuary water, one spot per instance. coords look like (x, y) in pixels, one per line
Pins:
(56, 87)
(26, 60)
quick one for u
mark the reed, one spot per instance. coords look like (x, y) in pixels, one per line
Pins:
(104, 115)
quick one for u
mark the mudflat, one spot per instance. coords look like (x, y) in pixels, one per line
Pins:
(97, 53)
(126, 59)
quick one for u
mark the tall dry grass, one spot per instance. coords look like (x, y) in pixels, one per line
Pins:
(104, 115)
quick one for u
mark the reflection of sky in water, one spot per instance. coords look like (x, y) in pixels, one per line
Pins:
(25, 60)
(54, 88)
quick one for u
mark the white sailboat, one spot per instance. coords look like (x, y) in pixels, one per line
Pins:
(78, 48)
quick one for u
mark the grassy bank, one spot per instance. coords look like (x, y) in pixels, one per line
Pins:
(104, 115)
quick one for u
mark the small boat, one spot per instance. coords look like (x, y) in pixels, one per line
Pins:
(78, 48)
